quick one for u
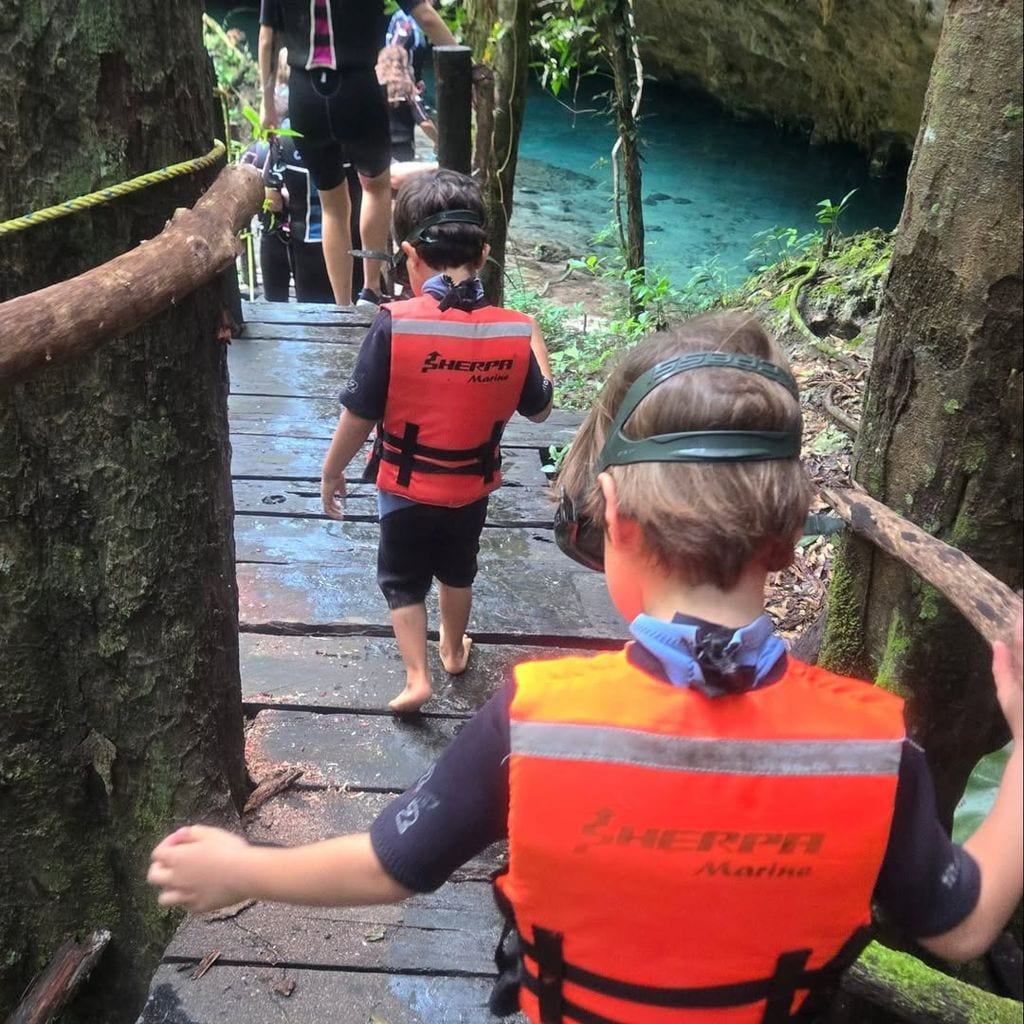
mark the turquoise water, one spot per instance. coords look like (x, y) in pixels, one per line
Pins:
(722, 179)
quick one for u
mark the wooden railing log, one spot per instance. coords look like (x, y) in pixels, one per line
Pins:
(987, 603)
(50, 992)
(73, 317)
(915, 993)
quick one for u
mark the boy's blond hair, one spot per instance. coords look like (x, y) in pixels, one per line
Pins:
(704, 522)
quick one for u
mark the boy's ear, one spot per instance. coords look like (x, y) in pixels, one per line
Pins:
(621, 532)
(484, 254)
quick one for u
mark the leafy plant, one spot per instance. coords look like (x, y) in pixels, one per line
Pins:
(777, 245)
(556, 455)
(259, 133)
(828, 215)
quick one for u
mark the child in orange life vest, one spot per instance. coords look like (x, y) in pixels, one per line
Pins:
(697, 825)
(440, 375)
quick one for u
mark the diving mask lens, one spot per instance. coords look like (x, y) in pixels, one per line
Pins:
(577, 536)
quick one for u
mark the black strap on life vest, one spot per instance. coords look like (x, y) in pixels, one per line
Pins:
(410, 456)
(778, 990)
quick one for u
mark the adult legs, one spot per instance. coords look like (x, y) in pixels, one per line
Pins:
(374, 221)
(337, 210)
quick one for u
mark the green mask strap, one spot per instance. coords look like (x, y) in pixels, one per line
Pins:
(699, 445)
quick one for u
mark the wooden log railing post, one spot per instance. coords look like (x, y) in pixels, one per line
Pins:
(987, 603)
(453, 72)
(76, 316)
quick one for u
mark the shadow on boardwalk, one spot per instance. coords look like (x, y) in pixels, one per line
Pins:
(318, 667)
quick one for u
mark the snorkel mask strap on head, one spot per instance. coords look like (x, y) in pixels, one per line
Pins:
(579, 538)
(420, 234)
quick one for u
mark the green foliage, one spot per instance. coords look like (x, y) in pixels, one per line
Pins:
(556, 455)
(980, 794)
(565, 42)
(828, 215)
(777, 245)
(237, 84)
(259, 133)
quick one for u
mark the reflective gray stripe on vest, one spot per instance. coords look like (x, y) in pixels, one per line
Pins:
(612, 745)
(515, 329)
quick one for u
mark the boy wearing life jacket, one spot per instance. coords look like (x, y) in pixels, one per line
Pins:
(697, 824)
(440, 376)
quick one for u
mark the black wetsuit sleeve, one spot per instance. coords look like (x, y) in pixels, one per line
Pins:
(366, 391)
(456, 810)
(928, 884)
(270, 14)
(537, 390)
(409, 5)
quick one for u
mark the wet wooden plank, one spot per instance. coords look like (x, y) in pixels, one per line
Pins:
(364, 673)
(316, 332)
(516, 601)
(261, 312)
(357, 751)
(309, 815)
(290, 540)
(302, 458)
(293, 368)
(509, 506)
(231, 995)
(317, 417)
(451, 931)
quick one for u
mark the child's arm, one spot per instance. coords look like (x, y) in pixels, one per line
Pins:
(998, 841)
(432, 24)
(349, 435)
(267, 50)
(540, 350)
(201, 869)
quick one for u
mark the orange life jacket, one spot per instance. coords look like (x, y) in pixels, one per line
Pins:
(456, 379)
(675, 859)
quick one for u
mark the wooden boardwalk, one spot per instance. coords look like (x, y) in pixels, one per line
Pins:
(318, 667)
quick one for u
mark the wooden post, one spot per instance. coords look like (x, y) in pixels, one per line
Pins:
(453, 73)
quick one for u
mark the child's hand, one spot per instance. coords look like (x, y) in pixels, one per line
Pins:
(330, 491)
(199, 868)
(1008, 669)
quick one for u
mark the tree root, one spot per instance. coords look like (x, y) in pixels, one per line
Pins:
(556, 280)
(848, 423)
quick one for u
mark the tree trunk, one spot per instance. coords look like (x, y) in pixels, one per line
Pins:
(615, 23)
(118, 607)
(510, 61)
(941, 432)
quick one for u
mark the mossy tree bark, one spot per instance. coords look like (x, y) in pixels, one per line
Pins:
(941, 434)
(499, 33)
(618, 38)
(118, 608)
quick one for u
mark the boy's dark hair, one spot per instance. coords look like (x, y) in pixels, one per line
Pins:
(704, 522)
(432, 192)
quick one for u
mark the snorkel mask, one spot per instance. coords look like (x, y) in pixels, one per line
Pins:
(578, 536)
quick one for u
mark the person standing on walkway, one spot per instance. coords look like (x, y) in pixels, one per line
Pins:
(336, 104)
(439, 375)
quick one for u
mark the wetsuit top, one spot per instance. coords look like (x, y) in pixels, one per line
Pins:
(926, 886)
(339, 34)
(285, 170)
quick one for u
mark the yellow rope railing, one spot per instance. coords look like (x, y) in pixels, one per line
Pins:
(104, 195)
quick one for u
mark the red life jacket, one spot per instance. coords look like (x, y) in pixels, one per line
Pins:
(456, 379)
(675, 859)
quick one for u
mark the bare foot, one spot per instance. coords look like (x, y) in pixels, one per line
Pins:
(454, 662)
(416, 693)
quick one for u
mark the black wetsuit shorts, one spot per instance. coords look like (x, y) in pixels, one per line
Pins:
(343, 118)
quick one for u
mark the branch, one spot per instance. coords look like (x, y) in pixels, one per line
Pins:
(987, 603)
(52, 989)
(76, 316)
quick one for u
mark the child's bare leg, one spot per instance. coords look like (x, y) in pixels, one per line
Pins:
(454, 645)
(410, 624)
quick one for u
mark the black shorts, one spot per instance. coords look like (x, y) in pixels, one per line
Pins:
(420, 542)
(343, 118)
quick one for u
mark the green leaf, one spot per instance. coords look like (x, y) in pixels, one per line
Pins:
(980, 794)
